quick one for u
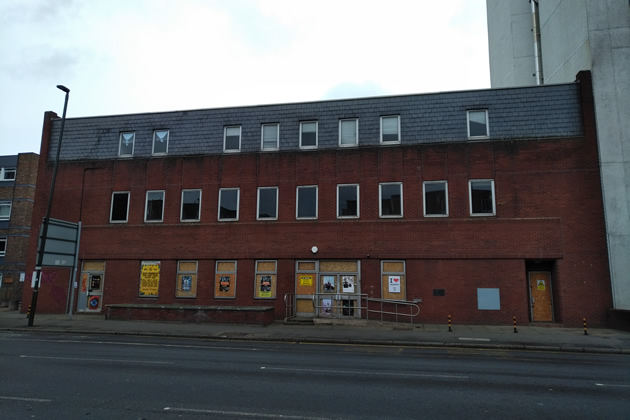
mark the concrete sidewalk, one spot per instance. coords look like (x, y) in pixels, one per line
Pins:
(341, 332)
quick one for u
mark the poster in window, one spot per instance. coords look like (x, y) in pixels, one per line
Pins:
(348, 284)
(186, 283)
(326, 307)
(265, 286)
(224, 284)
(306, 280)
(394, 284)
(328, 284)
(149, 278)
(95, 282)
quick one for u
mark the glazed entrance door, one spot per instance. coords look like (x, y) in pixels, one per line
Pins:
(92, 285)
(540, 296)
(339, 295)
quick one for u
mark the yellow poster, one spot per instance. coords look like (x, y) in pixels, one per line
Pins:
(150, 278)
(306, 280)
(541, 285)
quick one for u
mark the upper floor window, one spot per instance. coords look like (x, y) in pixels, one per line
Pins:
(435, 198)
(232, 139)
(154, 210)
(120, 207)
(347, 200)
(127, 142)
(160, 142)
(306, 206)
(308, 135)
(267, 203)
(7, 174)
(482, 201)
(5, 210)
(349, 132)
(270, 135)
(478, 124)
(191, 205)
(3, 246)
(390, 200)
(390, 129)
(228, 203)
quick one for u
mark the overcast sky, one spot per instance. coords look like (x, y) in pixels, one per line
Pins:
(133, 56)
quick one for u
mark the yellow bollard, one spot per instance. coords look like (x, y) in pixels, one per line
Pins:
(450, 329)
(584, 321)
(515, 330)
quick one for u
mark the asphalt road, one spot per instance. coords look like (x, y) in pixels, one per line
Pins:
(111, 377)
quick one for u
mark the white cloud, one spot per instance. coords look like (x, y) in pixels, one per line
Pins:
(122, 56)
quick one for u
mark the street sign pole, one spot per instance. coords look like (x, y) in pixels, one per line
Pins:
(42, 243)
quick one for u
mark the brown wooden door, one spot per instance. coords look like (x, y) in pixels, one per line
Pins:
(540, 296)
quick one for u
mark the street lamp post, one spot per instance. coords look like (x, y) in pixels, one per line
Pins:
(42, 242)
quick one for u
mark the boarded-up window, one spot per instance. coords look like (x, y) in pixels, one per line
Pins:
(186, 279)
(225, 280)
(393, 280)
(266, 280)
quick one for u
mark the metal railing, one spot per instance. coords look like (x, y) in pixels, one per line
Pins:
(413, 307)
(339, 306)
(289, 306)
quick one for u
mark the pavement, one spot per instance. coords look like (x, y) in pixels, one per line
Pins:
(528, 337)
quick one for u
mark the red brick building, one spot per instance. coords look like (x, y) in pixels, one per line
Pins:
(482, 205)
(18, 175)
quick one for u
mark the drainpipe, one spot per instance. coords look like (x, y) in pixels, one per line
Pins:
(540, 80)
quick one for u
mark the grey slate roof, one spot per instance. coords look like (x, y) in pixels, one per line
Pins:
(513, 113)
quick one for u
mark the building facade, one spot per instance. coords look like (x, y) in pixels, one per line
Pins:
(549, 41)
(18, 175)
(482, 205)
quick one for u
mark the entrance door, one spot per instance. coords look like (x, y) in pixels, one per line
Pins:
(92, 286)
(540, 296)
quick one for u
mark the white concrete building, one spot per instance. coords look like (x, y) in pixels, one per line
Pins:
(550, 41)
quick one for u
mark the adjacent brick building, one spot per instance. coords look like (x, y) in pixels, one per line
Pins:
(482, 205)
(18, 175)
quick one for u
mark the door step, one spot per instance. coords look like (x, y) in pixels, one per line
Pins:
(298, 321)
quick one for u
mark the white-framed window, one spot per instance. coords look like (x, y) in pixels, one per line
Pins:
(435, 201)
(308, 135)
(228, 203)
(482, 202)
(390, 129)
(3, 247)
(225, 279)
(269, 137)
(391, 199)
(126, 144)
(478, 124)
(119, 212)
(154, 210)
(266, 279)
(232, 138)
(186, 286)
(267, 208)
(191, 206)
(7, 174)
(160, 142)
(306, 202)
(347, 201)
(349, 132)
(5, 210)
